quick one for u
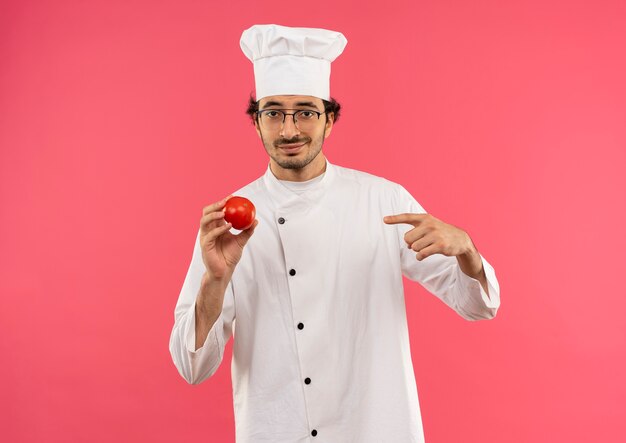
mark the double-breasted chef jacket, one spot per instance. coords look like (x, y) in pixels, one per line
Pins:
(316, 308)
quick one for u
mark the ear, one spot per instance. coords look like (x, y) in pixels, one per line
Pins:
(258, 130)
(330, 120)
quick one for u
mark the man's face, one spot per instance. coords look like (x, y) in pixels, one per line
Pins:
(289, 145)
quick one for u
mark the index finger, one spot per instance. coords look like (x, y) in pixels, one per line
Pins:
(215, 206)
(411, 219)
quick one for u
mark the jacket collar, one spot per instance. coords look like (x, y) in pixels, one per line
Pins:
(284, 197)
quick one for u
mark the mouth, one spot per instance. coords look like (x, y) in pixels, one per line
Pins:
(292, 147)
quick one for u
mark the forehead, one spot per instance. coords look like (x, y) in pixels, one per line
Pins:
(291, 101)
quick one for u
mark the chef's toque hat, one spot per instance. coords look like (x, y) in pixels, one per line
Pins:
(291, 61)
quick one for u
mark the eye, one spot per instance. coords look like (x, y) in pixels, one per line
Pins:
(306, 115)
(273, 115)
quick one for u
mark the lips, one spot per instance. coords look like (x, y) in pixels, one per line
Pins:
(292, 147)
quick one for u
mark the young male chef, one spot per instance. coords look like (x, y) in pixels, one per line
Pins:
(312, 292)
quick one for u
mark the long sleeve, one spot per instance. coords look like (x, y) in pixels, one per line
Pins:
(442, 276)
(195, 366)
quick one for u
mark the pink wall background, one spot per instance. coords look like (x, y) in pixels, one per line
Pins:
(120, 120)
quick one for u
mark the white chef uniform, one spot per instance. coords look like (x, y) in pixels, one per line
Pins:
(316, 305)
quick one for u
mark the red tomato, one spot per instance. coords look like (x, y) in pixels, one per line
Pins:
(240, 212)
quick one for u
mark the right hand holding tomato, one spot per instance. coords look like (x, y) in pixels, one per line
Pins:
(221, 250)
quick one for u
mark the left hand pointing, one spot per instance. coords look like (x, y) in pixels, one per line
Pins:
(432, 236)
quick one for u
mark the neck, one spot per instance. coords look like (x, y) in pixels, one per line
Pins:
(314, 169)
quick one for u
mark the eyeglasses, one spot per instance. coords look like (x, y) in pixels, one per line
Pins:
(274, 119)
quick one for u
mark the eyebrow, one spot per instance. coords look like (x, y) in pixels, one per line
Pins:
(308, 104)
(305, 104)
(270, 103)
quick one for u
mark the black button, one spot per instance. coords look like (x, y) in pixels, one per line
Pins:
(292, 272)
(307, 381)
(313, 432)
(281, 220)
(300, 325)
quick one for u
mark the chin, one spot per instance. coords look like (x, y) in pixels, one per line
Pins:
(292, 165)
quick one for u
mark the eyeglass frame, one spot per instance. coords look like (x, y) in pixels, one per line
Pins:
(293, 114)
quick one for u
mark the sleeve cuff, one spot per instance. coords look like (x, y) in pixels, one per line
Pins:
(472, 288)
(212, 339)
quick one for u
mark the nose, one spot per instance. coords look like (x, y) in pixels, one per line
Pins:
(289, 129)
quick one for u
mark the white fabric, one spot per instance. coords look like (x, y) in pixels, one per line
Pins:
(291, 61)
(300, 187)
(348, 294)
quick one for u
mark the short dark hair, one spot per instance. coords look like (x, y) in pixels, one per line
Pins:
(329, 106)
